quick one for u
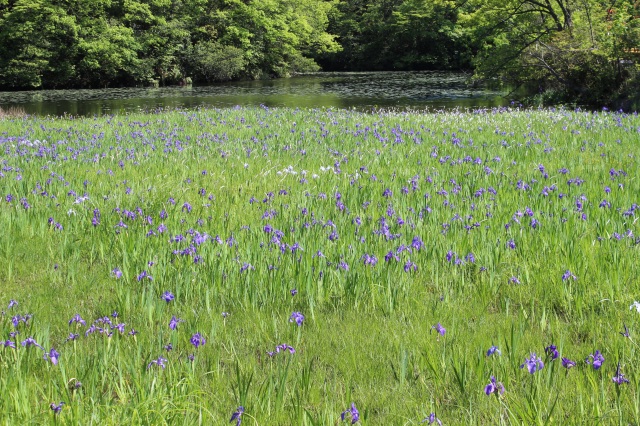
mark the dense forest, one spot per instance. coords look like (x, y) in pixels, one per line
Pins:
(582, 50)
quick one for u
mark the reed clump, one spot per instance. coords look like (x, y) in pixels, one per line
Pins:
(12, 112)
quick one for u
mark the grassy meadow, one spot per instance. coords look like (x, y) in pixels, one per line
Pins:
(475, 267)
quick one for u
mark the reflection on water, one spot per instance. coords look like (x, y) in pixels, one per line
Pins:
(363, 91)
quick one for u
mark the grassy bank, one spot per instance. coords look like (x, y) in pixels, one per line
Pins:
(192, 243)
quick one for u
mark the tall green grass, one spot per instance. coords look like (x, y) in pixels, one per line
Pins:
(367, 336)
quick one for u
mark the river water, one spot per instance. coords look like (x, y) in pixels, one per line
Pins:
(363, 91)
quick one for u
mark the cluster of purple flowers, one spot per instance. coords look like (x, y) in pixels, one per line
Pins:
(17, 320)
(56, 408)
(56, 225)
(386, 214)
(104, 325)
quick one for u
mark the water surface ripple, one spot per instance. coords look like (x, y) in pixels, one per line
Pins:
(363, 91)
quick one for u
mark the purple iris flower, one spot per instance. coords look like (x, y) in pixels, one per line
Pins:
(281, 348)
(369, 259)
(30, 341)
(567, 363)
(160, 362)
(568, 274)
(493, 350)
(511, 244)
(450, 255)
(197, 340)
(117, 272)
(144, 274)
(167, 296)
(390, 255)
(551, 351)
(533, 363)
(439, 328)
(174, 322)
(12, 303)
(431, 419)
(625, 333)
(410, 266)
(352, 412)
(17, 318)
(8, 344)
(237, 415)
(284, 347)
(595, 359)
(294, 291)
(53, 355)
(297, 317)
(619, 378)
(56, 408)
(78, 320)
(494, 387)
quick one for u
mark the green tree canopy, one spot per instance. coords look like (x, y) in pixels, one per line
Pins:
(73, 43)
(568, 49)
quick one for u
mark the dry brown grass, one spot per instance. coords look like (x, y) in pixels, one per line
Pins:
(12, 112)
